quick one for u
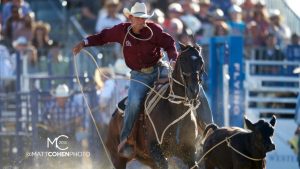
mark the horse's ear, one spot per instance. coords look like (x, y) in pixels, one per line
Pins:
(249, 124)
(182, 46)
(198, 47)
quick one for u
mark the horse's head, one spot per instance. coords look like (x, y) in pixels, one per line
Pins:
(189, 69)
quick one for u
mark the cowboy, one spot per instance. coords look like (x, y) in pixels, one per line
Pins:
(142, 42)
(62, 115)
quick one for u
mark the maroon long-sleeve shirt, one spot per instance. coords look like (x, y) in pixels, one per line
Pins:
(138, 54)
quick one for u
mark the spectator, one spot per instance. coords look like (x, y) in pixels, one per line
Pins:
(257, 29)
(293, 49)
(110, 16)
(14, 24)
(174, 12)
(293, 52)
(203, 16)
(269, 52)
(247, 10)
(88, 17)
(224, 5)
(27, 27)
(280, 30)
(57, 65)
(41, 39)
(260, 5)
(216, 18)
(188, 18)
(63, 116)
(7, 12)
(158, 16)
(236, 24)
(7, 70)
(28, 55)
(221, 29)
(175, 28)
(107, 18)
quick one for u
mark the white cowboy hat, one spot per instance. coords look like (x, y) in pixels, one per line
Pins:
(112, 2)
(296, 70)
(137, 10)
(61, 90)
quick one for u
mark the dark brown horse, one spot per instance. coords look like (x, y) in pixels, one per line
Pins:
(179, 139)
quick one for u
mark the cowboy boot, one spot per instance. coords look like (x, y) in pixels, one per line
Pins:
(126, 149)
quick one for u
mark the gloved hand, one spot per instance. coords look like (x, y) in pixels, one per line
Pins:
(77, 48)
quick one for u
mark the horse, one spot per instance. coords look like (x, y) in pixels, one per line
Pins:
(153, 142)
(237, 148)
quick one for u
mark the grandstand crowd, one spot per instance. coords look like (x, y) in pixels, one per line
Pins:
(266, 37)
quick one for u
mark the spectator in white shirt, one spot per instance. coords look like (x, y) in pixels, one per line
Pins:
(109, 16)
(7, 63)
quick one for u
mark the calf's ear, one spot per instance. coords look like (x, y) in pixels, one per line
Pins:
(273, 121)
(249, 124)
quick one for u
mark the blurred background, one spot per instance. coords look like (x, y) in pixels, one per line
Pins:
(251, 49)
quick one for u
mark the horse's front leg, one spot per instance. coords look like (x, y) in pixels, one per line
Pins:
(187, 155)
(157, 156)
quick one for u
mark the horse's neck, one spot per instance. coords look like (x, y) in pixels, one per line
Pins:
(177, 88)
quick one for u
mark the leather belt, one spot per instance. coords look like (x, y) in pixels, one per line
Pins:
(147, 70)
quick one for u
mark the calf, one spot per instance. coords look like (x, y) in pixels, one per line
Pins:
(240, 148)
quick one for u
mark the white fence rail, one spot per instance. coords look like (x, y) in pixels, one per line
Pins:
(265, 97)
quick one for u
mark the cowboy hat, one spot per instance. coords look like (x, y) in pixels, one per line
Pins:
(296, 70)
(62, 90)
(137, 10)
(112, 2)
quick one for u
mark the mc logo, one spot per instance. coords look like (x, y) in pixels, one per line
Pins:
(58, 142)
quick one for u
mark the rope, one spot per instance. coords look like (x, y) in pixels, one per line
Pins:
(227, 140)
(160, 140)
(90, 111)
(250, 158)
(221, 142)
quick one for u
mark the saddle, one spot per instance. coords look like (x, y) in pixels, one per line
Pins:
(136, 137)
(151, 97)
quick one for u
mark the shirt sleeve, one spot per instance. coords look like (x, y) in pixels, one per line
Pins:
(165, 41)
(107, 35)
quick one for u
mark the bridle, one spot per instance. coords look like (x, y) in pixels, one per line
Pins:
(174, 98)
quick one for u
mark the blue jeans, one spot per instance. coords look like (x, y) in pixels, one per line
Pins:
(136, 96)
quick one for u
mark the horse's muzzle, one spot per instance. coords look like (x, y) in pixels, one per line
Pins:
(271, 147)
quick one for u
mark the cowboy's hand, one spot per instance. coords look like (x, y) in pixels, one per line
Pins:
(77, 48)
